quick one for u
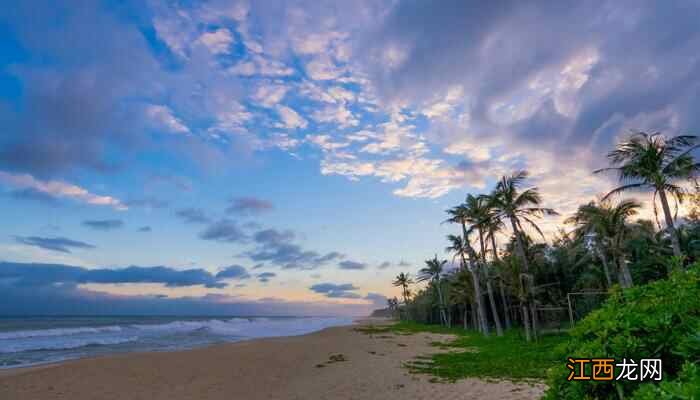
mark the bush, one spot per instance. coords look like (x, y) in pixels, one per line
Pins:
(657, 320)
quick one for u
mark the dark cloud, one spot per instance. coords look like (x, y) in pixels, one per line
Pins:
(224, 230)
(332, 290)
(612, 67)
(248, 206)
(104, 224)
(233, 272)
(144, 229)
(61, 244)
(51, 274)
(278, 248)
(265, 277)
(352, 265)
(193, 215)
(73, 107)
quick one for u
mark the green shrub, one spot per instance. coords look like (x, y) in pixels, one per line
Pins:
(657, 320)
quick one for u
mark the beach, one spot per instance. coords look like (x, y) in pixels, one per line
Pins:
(334, 363)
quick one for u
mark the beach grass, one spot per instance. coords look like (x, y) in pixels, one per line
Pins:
(470, 354)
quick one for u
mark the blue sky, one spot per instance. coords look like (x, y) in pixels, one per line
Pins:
(317, 143)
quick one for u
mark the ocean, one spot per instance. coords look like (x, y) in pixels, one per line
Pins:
(38, 340)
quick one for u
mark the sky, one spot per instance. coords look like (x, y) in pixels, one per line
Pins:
(290, 158)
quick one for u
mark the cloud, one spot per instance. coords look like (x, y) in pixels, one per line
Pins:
(290, 119)
(34, 195)
(21, 274)
(218, 41)
(352, 265)
(60, 244)
(278, 248)
(270, 95)
(144, 229)
(224, 230)
(57, 189)
(265, 277)
(332, 290)
(74, 107)
(248, 206)
(164, 118)
(104, 224)
(384, 265)
(233, 272)
(193, 215)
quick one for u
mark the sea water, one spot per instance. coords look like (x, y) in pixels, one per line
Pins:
(38, 340)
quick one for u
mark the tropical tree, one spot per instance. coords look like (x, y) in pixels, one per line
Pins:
(479, 210)
(403, 280)
(461, 248)
(652, 161)
(520, 206)
(433, 272)
(610, 223)
(462, 292)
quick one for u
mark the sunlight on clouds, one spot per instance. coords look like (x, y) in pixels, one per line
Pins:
(60, 190)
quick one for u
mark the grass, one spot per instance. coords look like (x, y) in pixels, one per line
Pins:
(471, 354)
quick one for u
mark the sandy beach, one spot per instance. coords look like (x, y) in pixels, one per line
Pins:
(336, 363)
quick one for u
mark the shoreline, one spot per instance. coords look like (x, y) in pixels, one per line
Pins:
(8, 371)
(333, 363)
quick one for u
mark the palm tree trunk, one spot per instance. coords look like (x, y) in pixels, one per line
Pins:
(479, 301)
(443, 315)
(475, 320)
(506, 305)
(464, 317)
(669, 223)
(604, 260)
(489, 289)
(526, 267)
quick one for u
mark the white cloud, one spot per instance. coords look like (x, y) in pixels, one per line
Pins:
(338, 114)
(323, 68)
(164, 117)
(218, 41)
(260, 65)
(290, 118)
(270, 95)
(60, 190)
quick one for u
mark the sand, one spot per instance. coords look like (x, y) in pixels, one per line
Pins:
(276, 368)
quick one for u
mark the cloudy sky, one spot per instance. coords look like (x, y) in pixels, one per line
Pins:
(271, 157)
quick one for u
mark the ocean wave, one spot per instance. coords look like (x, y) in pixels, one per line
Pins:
(57, 332)
(64, 344)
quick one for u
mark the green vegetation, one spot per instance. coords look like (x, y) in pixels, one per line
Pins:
(471, 354)
(642, 267)
(657, 320)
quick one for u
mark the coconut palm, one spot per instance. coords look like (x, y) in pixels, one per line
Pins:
(404, 280)
(461, 248)
(610, 224)
(462, 292)
(520, 206)
(433, 272)
(652, 161)
(479, 211)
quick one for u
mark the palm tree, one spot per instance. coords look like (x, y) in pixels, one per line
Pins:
(403, 280)
(462, 292)
(610, 223)
(493, 223)
(479, 211)
(433, 272)
(464, 250)
(651, 161)
(509, 202)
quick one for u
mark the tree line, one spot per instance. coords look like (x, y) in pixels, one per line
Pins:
(498, 287)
